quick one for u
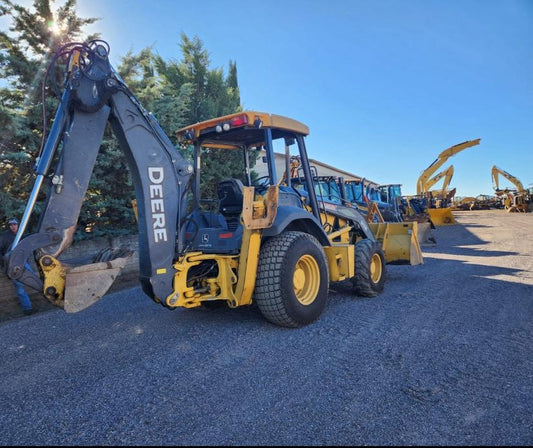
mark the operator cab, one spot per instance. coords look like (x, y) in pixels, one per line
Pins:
(214, 223)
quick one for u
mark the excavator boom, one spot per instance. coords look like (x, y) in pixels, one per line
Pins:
(421, 185)
(447, 174)
(496, 172)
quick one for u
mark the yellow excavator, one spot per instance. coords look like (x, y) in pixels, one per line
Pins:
(437, 208)
(514, 200)
(447, 175)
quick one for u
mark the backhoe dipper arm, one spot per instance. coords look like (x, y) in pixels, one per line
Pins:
(441, 159)
(94, 95)
(447, 174)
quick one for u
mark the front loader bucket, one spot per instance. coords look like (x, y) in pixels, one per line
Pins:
(399, 241)
(425, 234)
(75, 288)
(441, 216)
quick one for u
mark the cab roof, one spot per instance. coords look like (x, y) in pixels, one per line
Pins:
(240, 129)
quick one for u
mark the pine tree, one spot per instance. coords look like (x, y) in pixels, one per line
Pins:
(177, 92)
(210, 94)
(25, 51)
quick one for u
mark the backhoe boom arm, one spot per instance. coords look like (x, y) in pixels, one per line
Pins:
(95, 95)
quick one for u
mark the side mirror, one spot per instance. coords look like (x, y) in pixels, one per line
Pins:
(289, 141)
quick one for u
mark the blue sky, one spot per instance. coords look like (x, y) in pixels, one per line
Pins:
(384, 85)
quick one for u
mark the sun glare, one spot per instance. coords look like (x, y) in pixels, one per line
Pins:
(54, 27)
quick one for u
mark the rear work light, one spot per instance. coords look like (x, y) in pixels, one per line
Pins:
(239, 120)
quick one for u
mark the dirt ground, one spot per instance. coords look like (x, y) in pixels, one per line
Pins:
(501, 240)
(496, 239)
(11, 309)
(442, 357)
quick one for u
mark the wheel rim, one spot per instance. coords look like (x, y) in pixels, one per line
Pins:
(306, 279)
(376, 268)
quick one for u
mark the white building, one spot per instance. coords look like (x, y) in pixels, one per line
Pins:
(323, 169)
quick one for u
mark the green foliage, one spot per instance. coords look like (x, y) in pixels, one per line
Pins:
(178, 92)
(207, 94)
(25, 51)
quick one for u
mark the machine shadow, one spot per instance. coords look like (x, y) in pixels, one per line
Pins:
(453, 239)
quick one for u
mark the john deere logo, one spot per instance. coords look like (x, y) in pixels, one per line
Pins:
(156, 175)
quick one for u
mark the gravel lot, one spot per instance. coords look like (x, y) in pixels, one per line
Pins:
(443, 357)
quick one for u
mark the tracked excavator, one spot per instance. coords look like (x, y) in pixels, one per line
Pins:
(514, 200)
(438, 210)
(442, 194)
(263, 242)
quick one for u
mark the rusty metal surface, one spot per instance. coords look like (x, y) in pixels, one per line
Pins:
(85, 285)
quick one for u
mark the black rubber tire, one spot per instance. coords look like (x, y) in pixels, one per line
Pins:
(363, 283)
(274, 289)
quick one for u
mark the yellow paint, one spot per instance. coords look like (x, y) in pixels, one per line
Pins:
(248, 261)
(306, 279)
(54, 277)
(235, 281)
(441, 216)
(399, 241)
(341, 261)
(267, 121)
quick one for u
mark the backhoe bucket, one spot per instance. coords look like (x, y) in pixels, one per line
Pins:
(76, 288)
(399, 241)
(441, 216)
(425, 234)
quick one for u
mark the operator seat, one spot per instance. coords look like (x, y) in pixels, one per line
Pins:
(230, 199)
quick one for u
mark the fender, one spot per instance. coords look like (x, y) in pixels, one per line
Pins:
(295, 218)
(350, 214)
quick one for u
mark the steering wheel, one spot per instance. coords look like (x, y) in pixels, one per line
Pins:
(263, 181)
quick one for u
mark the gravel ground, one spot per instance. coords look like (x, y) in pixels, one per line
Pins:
(443, 357)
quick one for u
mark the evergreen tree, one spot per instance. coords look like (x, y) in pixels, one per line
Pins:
(210, 95)
(34, 36)
(177, 92)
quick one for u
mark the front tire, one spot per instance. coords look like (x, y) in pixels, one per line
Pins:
(292, 279)
(369, 278)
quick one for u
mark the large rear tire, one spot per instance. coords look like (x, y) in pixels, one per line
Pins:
(292, 279)
(369, 278)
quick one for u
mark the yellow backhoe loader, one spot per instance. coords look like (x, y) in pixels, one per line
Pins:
(398, 238)
(260, 241)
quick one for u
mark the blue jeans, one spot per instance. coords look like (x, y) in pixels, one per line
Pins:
(21, 292)
(22, 295)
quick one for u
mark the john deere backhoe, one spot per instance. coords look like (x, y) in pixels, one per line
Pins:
(514, 200)
(268, 243)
